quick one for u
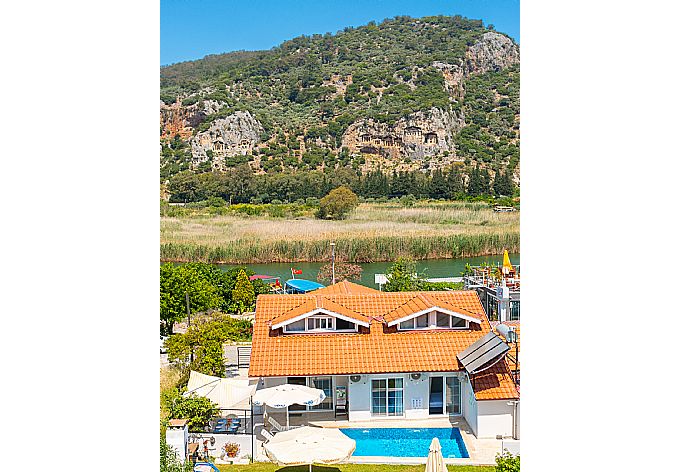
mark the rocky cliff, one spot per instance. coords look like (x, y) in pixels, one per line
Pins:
(425, 139)
(420, 140)
(237, 134)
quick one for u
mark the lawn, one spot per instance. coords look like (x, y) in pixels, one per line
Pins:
(268, 467)
(374, 232)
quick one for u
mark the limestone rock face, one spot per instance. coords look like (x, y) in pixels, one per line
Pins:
(236, 134)
(421, 137)
(453, 78)
(492, 52)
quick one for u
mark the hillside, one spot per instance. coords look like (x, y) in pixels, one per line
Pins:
(436, 96)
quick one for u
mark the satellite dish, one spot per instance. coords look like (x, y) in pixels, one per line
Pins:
(416, 376)
(355, 378)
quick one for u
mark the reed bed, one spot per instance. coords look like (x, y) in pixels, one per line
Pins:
(375, 232)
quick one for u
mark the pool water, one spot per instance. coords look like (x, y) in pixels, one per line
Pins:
(406, 442)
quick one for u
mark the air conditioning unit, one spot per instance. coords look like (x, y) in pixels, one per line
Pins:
(355, 378)
(415, 376)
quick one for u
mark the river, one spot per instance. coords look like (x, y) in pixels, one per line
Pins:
(432, 267)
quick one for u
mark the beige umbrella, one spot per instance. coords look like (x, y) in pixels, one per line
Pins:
(282, 396)
(434, 461)
(309, 445)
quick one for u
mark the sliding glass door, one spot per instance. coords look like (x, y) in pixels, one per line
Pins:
(452, 395)
(387, 397)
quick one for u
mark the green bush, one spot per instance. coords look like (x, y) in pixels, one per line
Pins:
(506, 462)
(169, 460)
(198, 410)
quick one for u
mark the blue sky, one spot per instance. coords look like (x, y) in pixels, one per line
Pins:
(191, 29)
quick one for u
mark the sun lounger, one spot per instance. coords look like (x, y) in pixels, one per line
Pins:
(276, 426)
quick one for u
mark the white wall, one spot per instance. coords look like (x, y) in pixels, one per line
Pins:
(469, 406)
(494, 417)
(360, 396)
(177, 439)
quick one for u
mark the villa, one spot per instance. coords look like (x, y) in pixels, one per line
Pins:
(387, 356)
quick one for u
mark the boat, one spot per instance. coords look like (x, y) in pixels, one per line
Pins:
(301, 286)
(270, 280)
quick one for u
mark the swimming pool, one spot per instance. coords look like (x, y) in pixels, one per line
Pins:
(406, 442)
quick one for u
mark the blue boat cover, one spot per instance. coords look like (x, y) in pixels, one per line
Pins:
(301, 286)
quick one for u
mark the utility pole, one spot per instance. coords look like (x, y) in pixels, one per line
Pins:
(333, 262)
(189, 324)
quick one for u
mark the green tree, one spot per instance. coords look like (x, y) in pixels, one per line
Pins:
(198, 410)
(403, 277)
(503, 184)
(201, 347)
(243, 296)
(337, 204)
(175, 282)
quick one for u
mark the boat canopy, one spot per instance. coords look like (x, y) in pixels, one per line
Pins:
(263, 277)
(301, 286)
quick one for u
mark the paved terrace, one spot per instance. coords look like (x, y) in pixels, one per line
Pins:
(482, 451)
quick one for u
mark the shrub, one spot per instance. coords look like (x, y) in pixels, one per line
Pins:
(408, 200)
(337, 204)
(198, 410)
(506, 462)
(169, 460)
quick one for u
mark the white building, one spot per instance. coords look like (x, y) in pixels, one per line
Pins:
(386, 355)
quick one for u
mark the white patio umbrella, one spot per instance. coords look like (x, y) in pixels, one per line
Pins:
(434, 461)
(227, 393)
(309, 445)
(282, 396)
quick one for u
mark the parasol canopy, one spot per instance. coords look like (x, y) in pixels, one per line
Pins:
(507, 266)
(309, 445)
(434, 461)
(226, 393)
(282, 396)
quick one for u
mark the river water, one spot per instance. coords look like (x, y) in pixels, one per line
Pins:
(432, 268)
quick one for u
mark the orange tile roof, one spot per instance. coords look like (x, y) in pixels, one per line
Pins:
(495, 383)
(377, 349)
(464, 304)
(344, 288)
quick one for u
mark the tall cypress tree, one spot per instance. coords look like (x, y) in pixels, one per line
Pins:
(475, 184)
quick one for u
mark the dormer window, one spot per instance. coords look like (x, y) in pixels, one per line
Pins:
(320, 323)
(434, 320)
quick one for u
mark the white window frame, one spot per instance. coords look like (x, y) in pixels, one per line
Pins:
(329, 320)
(432, 320)
(304, 324)
(428, 323)
(402, 389)
(431, 312)
(321, 313)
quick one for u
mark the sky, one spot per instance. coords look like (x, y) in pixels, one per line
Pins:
(192, 29)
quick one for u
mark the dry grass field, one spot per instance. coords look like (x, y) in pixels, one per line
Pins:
(374, 232)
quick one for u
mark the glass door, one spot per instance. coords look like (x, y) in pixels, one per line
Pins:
(436, 395)
(387, 397)
(297, 381)
(325, 384)
(452, 395)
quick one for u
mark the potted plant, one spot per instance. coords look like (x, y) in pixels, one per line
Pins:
(231, 450)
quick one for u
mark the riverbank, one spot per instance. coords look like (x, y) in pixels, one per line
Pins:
(374, 232)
